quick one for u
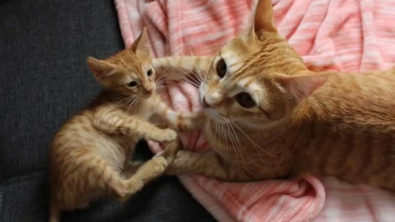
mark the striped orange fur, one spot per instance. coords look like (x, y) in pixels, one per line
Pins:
(90, 155)
(269, 116)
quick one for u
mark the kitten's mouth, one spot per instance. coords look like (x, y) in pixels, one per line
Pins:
(146, 96)
(205, 104)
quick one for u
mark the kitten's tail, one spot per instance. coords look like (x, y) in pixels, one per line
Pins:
(54, 212)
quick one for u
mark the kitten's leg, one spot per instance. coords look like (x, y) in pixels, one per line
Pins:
(54, 212)
(208, 164)
(169, 153)
(115, 121)
(153, 168)
(181, 121)
(180, 68)
(131, 168)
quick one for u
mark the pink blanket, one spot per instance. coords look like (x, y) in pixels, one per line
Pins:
(349, 35)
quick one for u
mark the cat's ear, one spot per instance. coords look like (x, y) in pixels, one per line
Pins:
(264, 20)
(301, 86)
(100, 68)
(141, 45)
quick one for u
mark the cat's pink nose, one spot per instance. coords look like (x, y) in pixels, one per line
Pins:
(205, 104)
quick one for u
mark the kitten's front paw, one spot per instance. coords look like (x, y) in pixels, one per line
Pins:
(173, 168)
(165, 135)
(170, 150)
(153, 168)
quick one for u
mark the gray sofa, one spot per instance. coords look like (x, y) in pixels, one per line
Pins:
(43, 81)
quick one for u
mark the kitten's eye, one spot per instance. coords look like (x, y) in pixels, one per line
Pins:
(150, 72)
(221, 68)
(132, 84)
(245, 100)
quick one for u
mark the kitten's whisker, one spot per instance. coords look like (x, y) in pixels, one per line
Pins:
(124, 101)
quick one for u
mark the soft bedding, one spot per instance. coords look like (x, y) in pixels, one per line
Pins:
(345, 35)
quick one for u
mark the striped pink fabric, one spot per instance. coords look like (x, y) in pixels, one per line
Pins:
(348, 35)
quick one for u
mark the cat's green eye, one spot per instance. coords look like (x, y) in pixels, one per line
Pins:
(221, 68)
(132, 84)
(245, 100)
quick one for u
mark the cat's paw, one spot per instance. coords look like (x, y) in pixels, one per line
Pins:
(172, 168)
(170, 150)
(133, 185)
(165, 135)
(152, 168)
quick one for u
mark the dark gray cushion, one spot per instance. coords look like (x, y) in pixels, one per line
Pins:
(25, 200)
(43, 81)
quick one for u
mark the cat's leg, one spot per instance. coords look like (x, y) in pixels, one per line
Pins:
(153, 168)
(180, 121)
(115, 121)
(169, 153)
(209, 164)
(183, 67)
(192, 69)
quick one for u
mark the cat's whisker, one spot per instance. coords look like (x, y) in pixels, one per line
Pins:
(224, 121)
(253, 160)
(200, 77)
(236, 144)
(239, 147)
(252, 142)
(185, 79)
(222, 133)
(184, 75)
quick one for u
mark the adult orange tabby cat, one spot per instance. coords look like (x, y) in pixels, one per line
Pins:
(90, 154)
(268, 116)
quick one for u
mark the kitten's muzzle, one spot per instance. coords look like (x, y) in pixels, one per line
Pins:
(205, 104)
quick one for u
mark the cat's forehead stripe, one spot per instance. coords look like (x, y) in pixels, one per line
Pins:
(232, 61)
(253, 87)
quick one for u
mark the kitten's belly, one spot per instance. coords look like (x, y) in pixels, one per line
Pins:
(83, 136)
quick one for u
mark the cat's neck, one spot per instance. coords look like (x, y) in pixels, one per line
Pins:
(270, 136)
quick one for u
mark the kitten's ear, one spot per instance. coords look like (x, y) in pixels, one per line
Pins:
(141, 45)
(99, 68)
(264, 20)
(301, 86)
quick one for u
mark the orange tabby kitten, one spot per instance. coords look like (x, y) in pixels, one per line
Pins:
(269, 117)
(90, 154)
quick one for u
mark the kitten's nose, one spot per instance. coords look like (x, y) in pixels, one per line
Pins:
(148, 90)
(205, 103)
